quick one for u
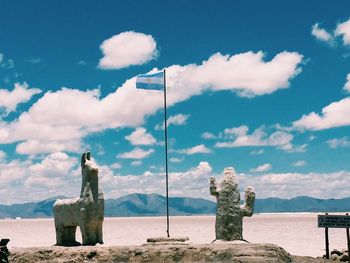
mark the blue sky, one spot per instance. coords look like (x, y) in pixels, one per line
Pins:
(263, 87)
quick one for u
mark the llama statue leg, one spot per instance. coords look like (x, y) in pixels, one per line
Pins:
(59, 241)
(68, 235)
(99, 234)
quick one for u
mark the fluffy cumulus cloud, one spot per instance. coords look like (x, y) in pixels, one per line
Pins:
(176, 160)
(341, 142)
(321, 34)
(262, 168)
(335, 114)
(33, 147)
(59, 173)
(347, 84)
(208, 136)
(289, 185)
(127, 48)
(178, 119)
(140, 137)
(343, 30)
(51, 170)
(64, 117)
(24, 181)
(240, 137)
(299, 163)
(201, 148)
(193, 182)
(21, 93)
(246, 73)
(2, 155)
(136, 153)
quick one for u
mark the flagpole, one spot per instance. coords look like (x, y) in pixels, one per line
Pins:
(166, 158)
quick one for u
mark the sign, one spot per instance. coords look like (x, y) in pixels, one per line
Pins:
(334, 221)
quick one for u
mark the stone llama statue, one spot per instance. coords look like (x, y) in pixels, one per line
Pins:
(230, 212)
(86, 211)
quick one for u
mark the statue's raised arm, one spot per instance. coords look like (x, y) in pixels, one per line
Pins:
(213, 187)
(249, 199)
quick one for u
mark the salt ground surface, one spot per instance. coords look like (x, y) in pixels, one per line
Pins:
(297, 233)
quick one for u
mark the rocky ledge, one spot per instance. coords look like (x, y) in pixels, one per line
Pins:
(222, 252)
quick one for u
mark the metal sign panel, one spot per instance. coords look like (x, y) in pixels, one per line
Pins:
(334, 221)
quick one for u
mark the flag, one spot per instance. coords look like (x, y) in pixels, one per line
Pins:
(153, 81)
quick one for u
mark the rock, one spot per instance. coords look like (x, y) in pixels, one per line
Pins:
(169, 240)
(230, 212)
(334, 257)
(344, 257)
(244, 253)
(86, 211)
(337, 252)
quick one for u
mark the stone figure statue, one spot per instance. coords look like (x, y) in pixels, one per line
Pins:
(86, 211)
(230, 212)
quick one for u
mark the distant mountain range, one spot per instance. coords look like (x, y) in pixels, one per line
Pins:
(154, 205)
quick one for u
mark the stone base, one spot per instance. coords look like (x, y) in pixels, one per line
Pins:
(244, 253)
(167, 240)
(233, 242)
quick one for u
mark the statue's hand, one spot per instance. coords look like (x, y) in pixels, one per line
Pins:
(212, 180)
(212, 184)
(248, 206)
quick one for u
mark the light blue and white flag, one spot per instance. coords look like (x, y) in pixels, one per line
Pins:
(153, 81)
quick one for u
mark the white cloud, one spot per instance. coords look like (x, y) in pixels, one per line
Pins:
(299, 163)
(11, 172)
(68, 115)
(116, 166)
(54, 165)
(201, 148)
(2, 155)
(257, 152)
(33, 147)
(246, 73)
(343, 29)
(193, 182)
(262, 168)
(239, 137)
(347, 83)
(140, 137)
(208, 135)
(289, 185)
(24, 181)
(342, 142)
(334, 115)
(176, 160)
(20, 94)
(127, 48)
(6, 63)
(178, 119)
(136, 163)
(136, 153)
(56, 173)
(321, 34)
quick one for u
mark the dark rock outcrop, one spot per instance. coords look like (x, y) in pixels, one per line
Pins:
(230, 252)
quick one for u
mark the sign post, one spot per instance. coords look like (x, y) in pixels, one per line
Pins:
(334, 221)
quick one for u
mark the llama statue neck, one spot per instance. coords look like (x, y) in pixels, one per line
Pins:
(90, 186)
